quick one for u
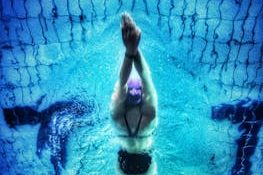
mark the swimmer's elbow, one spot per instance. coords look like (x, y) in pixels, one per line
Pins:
(115, 113)
(114, 116)
(151, 113)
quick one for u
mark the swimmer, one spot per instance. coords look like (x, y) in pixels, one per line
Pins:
(134, 105)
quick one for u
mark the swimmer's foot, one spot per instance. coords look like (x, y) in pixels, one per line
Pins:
(131, 34)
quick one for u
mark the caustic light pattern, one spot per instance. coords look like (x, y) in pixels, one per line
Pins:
(59, 61)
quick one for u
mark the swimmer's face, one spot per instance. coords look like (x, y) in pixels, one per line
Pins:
(134, 94)
(135, 91)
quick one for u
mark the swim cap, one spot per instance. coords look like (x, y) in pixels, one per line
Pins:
(134, 94)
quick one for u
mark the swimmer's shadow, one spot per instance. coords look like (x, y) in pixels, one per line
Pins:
(248, 114)
(56, 122)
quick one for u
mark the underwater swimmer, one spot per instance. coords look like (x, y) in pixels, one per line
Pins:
(134, 105)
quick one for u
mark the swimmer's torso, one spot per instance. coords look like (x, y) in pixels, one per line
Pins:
(137, 120)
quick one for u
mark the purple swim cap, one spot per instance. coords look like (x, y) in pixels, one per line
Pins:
(134, 94)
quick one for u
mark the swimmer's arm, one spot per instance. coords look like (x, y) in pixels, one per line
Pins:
(125, 71)
(117, 101)
(149, 116)
(143, 70)
(149, 107)
(119, 96)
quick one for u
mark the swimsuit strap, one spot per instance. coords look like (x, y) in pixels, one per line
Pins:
(127, 125)
(138, 125)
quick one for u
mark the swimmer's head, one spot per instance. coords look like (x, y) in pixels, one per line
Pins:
(134, 94)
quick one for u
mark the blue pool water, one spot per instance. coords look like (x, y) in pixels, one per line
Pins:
(60, 61)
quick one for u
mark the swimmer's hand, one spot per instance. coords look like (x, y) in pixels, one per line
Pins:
(131, 34)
